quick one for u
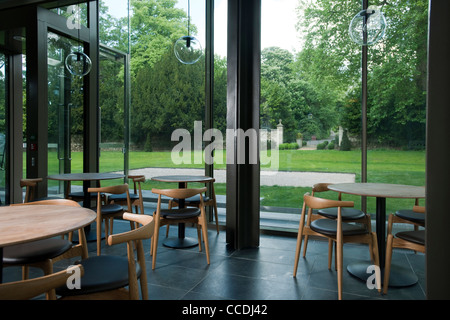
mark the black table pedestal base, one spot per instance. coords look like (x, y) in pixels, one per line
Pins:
(180, 243)
(399, 277)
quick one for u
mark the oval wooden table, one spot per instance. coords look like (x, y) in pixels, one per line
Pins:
(20, 224)
(400, 276)
(86, 177)
(181, 241)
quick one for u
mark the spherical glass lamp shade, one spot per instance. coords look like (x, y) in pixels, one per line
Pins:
(78, 63)
(371, 21)
(188, 50)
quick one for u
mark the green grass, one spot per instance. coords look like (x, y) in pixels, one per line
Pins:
(385, 166)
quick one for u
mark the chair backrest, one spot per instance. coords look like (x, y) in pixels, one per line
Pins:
(117, 189)
(30, 185)
(420, 209)
(179, 193)
(141, 233)
(59, 202)
(27, 289)
(320, 203)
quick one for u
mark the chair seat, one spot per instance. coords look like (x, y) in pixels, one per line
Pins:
(80, 194)
(123, 197)
(193, 200)
(47, 198)
(329, 227)
(184, 213)
(110, 209)
(347, 213)
(35, 251)
(412, 236)
(101, 273)
(410, 215)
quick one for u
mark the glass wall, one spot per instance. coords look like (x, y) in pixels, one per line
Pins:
(397, 73)
(3, 129)
(311, 96)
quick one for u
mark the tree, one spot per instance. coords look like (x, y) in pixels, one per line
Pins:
(330, 62)
(166, 96)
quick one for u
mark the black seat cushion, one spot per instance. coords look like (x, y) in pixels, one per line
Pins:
(184, 213)
(193, 200)
(329, 227)
(81, 194)
(110, 208)
(123, 197)
(101, 273)
(412, 216)
(35, 251)
(412, 236)
(347, 213)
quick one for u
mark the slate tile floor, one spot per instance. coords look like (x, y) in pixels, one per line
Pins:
(263, 273)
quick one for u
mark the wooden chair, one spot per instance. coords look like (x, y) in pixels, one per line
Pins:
(413, 240)
(335, 230)
(43, 253)
(109, 211)
(31, 288)
(135, 198)
(195, 202)
(348, 215)
(30, 190)
(183, 215)
(409, 216)
(106, 277)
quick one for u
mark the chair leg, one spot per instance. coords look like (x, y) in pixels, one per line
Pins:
(216, 216)
(199, 236)
(305, 245)
(205, 237)
(99, 233)
(143, 278)
(155, 243)
(387, 267)
(330, 253)
(299, 245)
(339, 256)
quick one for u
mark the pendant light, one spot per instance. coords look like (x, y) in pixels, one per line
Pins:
(188, 49)
(77, 62)
(368, 26)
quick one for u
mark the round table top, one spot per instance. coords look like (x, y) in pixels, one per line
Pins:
(86, 176)
(24, 223)
(381, 190)
(182, 178)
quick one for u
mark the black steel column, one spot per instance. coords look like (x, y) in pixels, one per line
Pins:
(243, 96)
(209, 89)
(438, 153)
(365, 4)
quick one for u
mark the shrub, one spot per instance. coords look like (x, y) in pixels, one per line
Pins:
(345, 143)
(322, 145)
(331, 145)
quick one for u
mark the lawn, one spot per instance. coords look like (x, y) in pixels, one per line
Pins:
(387, 166)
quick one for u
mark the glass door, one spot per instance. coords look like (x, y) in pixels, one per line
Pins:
(113, 102)
(65, 112)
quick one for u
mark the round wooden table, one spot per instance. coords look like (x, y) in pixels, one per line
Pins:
(399, 276)
(181, 241)
(20, 224)
(86, 177)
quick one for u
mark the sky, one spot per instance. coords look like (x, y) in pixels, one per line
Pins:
(277, 28)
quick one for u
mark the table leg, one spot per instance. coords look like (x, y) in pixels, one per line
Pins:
(91, 235)
(400, 276)
(181, 242)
